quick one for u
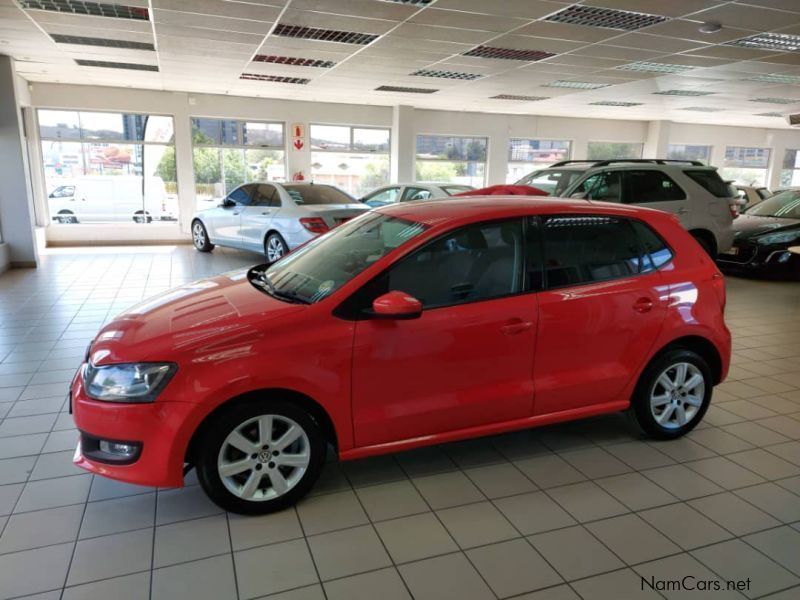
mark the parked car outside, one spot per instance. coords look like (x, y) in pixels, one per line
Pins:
(406, 192)
(378, 336)
(694, 192)
(104, 199)
(273, 218)
(767, 238)
(752, 194)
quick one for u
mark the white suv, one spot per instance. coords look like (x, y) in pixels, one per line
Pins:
(703, 202)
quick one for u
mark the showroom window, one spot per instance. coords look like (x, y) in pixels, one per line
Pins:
(227, 153)
(689, 152)
(611, 150)
(525, 156)
(745, 166)
(790, 169)
(354, 159)
(452, 159)
(103, 167)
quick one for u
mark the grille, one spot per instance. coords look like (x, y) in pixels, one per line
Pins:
(115, 65)
(614, 103)
(91, 41)
(775, 78)
(520, 98)
(324, 35)
(447, 74)
(745, 254)
(769, 41)
(97, 9)
(508, 53)
(683, 93)
(651, 67)
(607, 18)
(274, 78)
(702, 108)
(776, 100)
(578, 85)
(295, 62)
(404, 90)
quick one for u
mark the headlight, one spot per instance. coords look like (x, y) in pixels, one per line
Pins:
(779, 238)
(134, 382)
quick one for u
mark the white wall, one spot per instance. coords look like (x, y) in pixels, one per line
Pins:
(406, 122)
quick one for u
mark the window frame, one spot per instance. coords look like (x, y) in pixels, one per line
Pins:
(484, 162)
(84, 140)
(351, 149)
(589, 142)
(685, 144)
(626, 188)
(240, 128)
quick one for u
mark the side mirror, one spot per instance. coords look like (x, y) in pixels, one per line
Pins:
(396, 305)
(227, 203)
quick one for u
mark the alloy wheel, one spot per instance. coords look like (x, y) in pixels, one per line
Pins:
(677, 395)
(264, 457)
(198, 235)
(275, 249)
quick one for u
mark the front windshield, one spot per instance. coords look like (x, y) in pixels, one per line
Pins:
(325, 264)
(785, 205)
(310, 193)
(553, 181)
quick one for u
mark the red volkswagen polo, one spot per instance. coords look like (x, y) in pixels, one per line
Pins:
(410, 325)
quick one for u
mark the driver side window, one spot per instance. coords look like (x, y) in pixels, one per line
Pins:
(605, 186)
(241, 195)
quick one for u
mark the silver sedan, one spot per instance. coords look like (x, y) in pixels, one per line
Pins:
(273, 218)
(406, 192)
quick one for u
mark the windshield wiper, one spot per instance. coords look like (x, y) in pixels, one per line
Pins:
(265, 283)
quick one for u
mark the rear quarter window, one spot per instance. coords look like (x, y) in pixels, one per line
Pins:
(710, 181)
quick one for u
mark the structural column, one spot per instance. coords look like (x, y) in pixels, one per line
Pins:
(657, 142)
(16, 203)
(403, 169)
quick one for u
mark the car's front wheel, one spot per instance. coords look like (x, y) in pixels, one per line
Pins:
(673, 394)
(275, 247)
(259, 457)
(200, 237)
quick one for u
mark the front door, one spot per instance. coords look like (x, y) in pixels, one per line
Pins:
(257, 216)
(468, 359)
(227, 217)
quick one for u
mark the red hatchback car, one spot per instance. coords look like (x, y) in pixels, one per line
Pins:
(413, 324)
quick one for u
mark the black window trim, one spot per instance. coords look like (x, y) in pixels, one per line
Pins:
(625, 185)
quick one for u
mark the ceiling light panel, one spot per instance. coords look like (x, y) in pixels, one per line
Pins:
(446, 74)
(614, 103)
(404, 90)
(776, 100)
(578, 85)
(115, 65)
(519, 98)
(606, 18)
(295, 62)
(106, 43)
(702, 108)
(768, 114)
(683, 93)
(651, 67)
(96, 9)
(775, 78)
(274, 78)
(508, 53)
(769, 41)
(324, 35)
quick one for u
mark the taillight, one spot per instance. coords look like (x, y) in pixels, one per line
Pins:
(718, 281)
(314, 224)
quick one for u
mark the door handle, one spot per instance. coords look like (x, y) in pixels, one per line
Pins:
(683, 210)
(643, 305)
(516, 327)
(266, 212)
(235, 214)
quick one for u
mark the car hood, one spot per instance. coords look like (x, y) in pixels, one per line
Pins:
(746, 227)
(201, 318)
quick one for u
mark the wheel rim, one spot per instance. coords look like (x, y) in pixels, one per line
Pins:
(263, 458)
(275, 249)
(199, 235)
(677, 395)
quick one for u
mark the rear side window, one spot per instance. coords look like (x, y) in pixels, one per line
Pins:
(655, 253)
(711, 182)
(647, 186)
(456, 189)
(318, 194)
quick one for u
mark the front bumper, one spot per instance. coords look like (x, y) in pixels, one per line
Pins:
(754, 259)
(159, 427)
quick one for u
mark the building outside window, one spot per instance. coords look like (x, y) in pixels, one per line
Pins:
(611, 150)
(102, 167)
(526, 155)
(227, 153)
(689, 152)
(354, 159)
(452, 159)
(745, 165)
(790, 169)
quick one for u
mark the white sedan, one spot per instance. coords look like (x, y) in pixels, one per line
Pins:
(406, 192)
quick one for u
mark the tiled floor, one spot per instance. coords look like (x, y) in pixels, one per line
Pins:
(577, 511)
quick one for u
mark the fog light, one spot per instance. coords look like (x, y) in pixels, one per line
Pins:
(110, 451)
(118, 449)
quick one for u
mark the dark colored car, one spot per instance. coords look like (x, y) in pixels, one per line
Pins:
(764, 236)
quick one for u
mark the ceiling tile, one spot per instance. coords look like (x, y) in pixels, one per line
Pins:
(657, 43)
(447, 34)
(237, 10)
(527, 9)
(747, 17)
(605, 51)
(466, 20)
(673, 8)
(731, 52)
(392, 11)
(524, 42)
(688, 30)
(172, 17)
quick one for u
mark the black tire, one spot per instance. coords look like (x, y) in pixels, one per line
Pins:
(648, 385)
(215, 434)
(274, 244)
(66, 216)
(200, 237)
(706, 243)
(142, 217)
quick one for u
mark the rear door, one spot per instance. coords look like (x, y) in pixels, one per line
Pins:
(257, 216)
(656, 189)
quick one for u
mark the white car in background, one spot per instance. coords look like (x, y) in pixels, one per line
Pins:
(273, 218)
(406, 192)
(752, 194)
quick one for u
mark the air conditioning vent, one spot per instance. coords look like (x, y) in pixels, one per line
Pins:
(606, 18)
(793, 120)
(274, 78)
(702, 108)
(769, 41)
(446, 74)
(614, 103)
(768, 114)
(578, 85)
(508, 53)
(295, 62)
(95, 9)
(404, 90)
(115, 65)
(683, 93)
(519, 98)
(324, 35)
(651, 67)
(775, 78)
(777, 100)
(106, 43)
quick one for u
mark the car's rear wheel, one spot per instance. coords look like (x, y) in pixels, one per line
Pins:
(673, 394)
(259, 457)
(66, 216)
(200, 237)
(275, 247)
